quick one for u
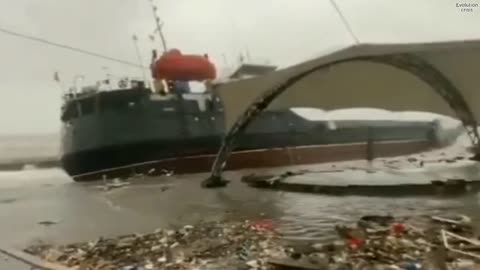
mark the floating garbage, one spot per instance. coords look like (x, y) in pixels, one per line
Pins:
(373, 242)
(383, 242)
(113, 184)
(190, 247)
(48, 222)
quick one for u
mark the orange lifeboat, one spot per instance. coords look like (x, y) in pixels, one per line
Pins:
(174, 65)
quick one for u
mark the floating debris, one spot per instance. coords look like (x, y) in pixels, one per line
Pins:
(167, 172)
(190, 247)
(412, 159)
(136, 176)
(48, 222)
(165, 188)
(117, 183)
(114, 184)
(270, 180)
(373, 242)
(382, 242)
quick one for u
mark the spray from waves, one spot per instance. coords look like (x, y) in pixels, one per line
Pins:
(19, 152)
(29, 164)
(33, 178)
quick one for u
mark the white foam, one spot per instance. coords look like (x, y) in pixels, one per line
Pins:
(314, 114)
(32, 178)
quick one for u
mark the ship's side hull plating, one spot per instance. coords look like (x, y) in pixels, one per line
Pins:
(112, 131)
(263, 158)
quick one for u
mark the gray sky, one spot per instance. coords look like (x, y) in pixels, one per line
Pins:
(283, 31)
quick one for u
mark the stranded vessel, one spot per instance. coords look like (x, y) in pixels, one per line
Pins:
(134, 128)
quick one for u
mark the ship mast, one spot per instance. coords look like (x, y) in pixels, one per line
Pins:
(159, 25)
(139, 56)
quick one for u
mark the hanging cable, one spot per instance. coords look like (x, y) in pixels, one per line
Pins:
(51, 43)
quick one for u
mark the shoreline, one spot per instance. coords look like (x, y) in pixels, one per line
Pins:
(378, 242)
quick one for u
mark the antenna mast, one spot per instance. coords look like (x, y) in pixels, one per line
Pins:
(139, 56)
(159, 25)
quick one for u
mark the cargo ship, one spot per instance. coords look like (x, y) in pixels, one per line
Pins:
(139, 127)
(135, 128)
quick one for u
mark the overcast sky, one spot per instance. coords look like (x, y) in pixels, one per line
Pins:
(282, 31)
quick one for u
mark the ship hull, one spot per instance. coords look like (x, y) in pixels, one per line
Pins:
(110, 131)
(247, 159)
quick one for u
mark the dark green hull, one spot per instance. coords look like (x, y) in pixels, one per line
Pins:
(114, 129)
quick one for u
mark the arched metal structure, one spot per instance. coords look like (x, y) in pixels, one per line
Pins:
(406, 62)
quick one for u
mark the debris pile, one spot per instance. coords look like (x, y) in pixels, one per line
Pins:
(383, 242)
(192, 247)
(373, 242)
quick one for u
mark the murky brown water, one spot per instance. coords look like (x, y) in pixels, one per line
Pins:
(84, 212)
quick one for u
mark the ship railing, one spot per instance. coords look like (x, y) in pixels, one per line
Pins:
(109, 84)
(118, 83)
